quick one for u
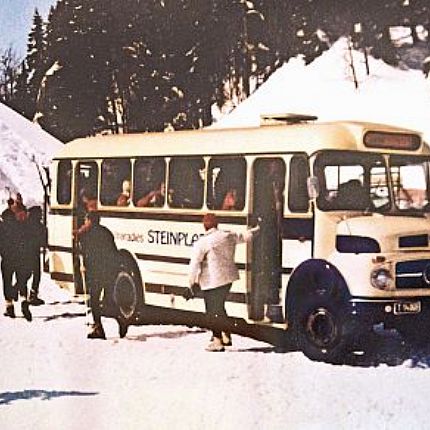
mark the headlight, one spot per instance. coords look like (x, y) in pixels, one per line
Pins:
(381, 279)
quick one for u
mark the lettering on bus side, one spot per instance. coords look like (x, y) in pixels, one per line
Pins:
(160, 237)
(163, 237)
(129, 237)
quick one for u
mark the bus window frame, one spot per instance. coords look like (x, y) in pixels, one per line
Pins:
(204, 180)
(318, 166)
(244, 184)
(100, 182)
(133, 201)
(55, 189)
(288, 190)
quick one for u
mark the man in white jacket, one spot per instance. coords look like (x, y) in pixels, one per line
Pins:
(212, 266)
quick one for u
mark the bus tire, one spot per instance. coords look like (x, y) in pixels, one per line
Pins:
(127, 292)
(320, 328)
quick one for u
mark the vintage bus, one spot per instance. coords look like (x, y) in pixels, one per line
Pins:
(343, 209)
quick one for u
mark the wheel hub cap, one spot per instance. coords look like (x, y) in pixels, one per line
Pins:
(321, 327)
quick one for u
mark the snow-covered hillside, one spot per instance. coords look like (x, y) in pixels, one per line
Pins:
(325, 88)
(22, 146)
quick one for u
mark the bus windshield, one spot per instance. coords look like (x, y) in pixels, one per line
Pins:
(372, 182)
(410, 179)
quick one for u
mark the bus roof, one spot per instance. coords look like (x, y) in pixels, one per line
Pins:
(307, 138)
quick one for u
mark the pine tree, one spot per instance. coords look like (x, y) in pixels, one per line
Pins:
(35, 61)
(9, 66)
(21, 97)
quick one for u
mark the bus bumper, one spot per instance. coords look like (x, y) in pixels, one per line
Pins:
(394, 313)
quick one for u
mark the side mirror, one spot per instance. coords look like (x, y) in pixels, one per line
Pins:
(313, 187)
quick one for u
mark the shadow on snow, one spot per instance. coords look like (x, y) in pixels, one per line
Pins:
(8, 397)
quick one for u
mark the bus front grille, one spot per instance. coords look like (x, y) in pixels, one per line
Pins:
(413, 274)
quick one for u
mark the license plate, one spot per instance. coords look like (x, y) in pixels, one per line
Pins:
(407, 308)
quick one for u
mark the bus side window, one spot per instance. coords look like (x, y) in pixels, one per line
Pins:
(64, 182)
(115, 182)
(149, 182)
(298, 199)
(186, 182)
(226, 183)
(87, 174)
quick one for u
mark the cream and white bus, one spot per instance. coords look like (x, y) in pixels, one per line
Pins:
(343, 209)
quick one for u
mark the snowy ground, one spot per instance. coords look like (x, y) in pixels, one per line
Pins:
(160, 377)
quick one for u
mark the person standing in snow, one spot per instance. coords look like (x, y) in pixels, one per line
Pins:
(38, 237)
(212, 267)
(7, 228)
(19, 203)
(23, 257)
(10, 203)
(100, 257)
(14, 235)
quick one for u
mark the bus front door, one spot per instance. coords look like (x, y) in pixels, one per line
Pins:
(266, 251)
(86, 196)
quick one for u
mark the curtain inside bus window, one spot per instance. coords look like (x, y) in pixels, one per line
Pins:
(149, 182)
(298, 200)
(64, 182)
(115, 182)
(186, 182)
(226, 183)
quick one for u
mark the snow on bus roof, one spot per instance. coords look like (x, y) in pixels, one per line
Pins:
(276, 138)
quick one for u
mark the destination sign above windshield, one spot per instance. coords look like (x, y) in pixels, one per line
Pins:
(386, 140)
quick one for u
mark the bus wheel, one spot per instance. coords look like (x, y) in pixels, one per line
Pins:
(128, 294)
(319, 326)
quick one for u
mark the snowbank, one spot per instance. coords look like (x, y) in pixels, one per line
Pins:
(23, 146)
(325, 88)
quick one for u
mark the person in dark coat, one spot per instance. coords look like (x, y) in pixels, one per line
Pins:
(10, 204)
(7, 228)
(22, 259)
(38, 237)
(100, 257)
(14, 236)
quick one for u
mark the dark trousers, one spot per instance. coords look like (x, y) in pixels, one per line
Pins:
(22, 275)
(215, 304)
(36, 270)
(7, 271)
(95, 288)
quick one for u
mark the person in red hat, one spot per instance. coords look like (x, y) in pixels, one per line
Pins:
(212, 266)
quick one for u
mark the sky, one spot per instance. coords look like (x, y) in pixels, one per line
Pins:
(16, 19)
(160, 377)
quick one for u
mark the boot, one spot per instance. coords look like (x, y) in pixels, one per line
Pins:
(97, 332)
(216, 345)
(122, 327)
(274, 313)
(25, 309)
(34, 300)
(10, 311)
(226, 338)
